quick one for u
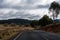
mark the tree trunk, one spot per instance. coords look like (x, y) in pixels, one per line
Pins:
(53, 17)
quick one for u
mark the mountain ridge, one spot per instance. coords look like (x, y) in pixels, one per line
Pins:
(16, 21)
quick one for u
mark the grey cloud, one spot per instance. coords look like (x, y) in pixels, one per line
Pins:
(29, 5)
(19, 15)
(36, 17)
(43, 6)
(25, 7)
(58, 1)
(1, 1)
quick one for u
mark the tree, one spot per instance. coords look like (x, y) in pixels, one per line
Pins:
(45, 20)
(54, 8)
(34, 23)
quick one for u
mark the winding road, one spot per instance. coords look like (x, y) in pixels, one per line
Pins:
(36, 35)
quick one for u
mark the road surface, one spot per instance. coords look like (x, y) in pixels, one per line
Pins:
(36, 35)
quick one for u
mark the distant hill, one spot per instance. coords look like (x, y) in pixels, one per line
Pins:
(57, 20)
(16, 21)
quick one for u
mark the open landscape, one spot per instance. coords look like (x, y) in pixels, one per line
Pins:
(7, 31)
(29, 19)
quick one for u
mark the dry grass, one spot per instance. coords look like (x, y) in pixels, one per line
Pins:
(6, 31)
(52, 28)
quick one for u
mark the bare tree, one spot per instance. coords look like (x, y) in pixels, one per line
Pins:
(54, 8)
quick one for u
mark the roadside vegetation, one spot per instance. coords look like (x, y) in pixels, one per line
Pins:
(7, 31)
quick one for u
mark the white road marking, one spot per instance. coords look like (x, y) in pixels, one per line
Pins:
(18, 36)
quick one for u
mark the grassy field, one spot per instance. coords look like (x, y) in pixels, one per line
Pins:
(6, 31)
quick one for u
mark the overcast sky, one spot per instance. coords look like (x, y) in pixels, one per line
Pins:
(27, 9)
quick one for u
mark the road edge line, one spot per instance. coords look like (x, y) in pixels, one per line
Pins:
(18, 35)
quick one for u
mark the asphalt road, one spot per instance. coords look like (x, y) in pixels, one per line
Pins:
(37, 35)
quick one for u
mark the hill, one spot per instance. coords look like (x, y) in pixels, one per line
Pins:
(16, 21)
